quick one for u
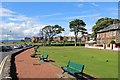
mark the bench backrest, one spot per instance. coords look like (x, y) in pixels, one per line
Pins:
(45, 55)
(76, 66)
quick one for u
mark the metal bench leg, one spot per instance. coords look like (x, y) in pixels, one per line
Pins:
(40, 58)
(62, 74)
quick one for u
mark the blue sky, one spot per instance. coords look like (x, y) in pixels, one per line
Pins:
(60, 0)
(28, 17)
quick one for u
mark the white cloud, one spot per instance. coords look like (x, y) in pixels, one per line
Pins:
(113, 9)
(80, 5)
(90, 32)
(84, 16)
(20, 30)
(19, 26)
(60, 0)
(48, 15)
(72, 34)
(20, 18)
(94, 4)
(6, 12)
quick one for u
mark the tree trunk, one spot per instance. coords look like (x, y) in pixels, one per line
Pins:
(49, 41)
(75, 39)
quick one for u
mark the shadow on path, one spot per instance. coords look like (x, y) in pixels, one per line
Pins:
(49, 60)
(84, 76)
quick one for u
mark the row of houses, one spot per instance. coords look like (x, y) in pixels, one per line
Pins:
(104, 36)
(84, 38)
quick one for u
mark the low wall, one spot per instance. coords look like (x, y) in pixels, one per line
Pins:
(93, 46)
(111, 47)
(108, 48)
(116, 48)
(7, 64)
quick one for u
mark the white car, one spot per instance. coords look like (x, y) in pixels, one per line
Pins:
(18, 46)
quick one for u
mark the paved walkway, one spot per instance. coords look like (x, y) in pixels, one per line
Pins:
(27, 67)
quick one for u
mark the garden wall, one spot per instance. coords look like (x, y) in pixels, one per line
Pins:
(93, 46)
(116, 48)
(107, 47)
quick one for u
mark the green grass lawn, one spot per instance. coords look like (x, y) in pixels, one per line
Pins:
(93, 59)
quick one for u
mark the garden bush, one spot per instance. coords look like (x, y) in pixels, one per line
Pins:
(99, 45)
(33, 55)
(112, 42)
(117, 45)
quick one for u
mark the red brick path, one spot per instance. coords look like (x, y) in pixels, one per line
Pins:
(28, 67)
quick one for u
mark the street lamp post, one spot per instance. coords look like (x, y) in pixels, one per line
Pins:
(7, 37)
(8, 34)
(11, 36)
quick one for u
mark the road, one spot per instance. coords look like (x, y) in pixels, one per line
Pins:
(4, 54)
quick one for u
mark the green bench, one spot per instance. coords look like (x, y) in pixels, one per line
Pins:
(36, 49)
(73, 68)
(44, 56)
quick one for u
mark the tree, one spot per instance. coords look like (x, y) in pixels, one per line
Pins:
(103, 23)
(76, 26)
(50, 31)
(42, 37)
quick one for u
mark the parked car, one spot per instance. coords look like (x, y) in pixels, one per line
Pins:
(5, 48)
(18, 46)
(27, 45)
(30, 45)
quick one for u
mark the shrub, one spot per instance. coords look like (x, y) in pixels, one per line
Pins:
(33, 55)
(82, 44)
(99, 45)
(117, 44)
(112, 42)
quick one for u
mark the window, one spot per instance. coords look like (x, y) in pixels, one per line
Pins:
(111, 34)
(101, 35)
(98, 41)
(107, 34)
(114, 33)
(98, 35)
